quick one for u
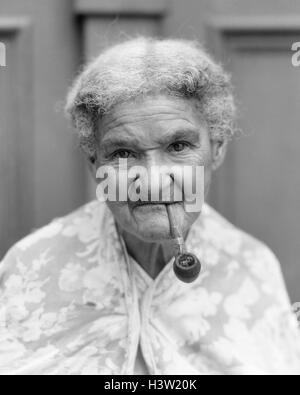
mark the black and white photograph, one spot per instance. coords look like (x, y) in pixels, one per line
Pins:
(149, 190)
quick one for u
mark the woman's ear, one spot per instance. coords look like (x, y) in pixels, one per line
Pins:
(219, 149)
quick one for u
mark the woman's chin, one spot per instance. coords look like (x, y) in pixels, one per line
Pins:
(152, 226)
(154, 233)
(150, 222)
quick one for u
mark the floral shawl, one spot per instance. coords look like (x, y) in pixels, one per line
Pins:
(73, 302)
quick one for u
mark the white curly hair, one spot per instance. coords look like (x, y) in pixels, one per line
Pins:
(145, 66)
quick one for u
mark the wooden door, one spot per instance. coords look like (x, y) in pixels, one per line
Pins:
(258, 188)
(42, 174)
(16, 126)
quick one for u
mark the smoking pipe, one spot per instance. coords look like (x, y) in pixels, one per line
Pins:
(187, 266)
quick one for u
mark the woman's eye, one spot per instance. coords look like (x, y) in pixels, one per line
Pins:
(121, 154)
(179, 146)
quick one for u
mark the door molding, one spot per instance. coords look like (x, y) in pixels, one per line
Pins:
(151, 8)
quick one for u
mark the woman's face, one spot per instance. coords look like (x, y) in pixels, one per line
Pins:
(155, 131)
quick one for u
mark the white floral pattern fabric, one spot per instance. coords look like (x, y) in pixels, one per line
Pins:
(72, 302)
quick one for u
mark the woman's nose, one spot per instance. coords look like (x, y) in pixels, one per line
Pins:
(157, 184)
(160, 185)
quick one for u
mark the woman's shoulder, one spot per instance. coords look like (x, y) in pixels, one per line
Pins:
(236, 248)
(59, 240)
(228, 237)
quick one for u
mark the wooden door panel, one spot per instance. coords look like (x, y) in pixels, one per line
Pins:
(259, 186)
(16, 137)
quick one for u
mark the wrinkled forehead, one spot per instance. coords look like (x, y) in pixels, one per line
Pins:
(151, 116)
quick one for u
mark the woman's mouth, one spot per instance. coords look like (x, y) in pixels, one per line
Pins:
(144, 204)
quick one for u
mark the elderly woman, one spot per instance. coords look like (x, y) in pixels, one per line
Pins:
(95, 292)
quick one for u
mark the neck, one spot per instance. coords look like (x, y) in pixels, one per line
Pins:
(152, 257)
